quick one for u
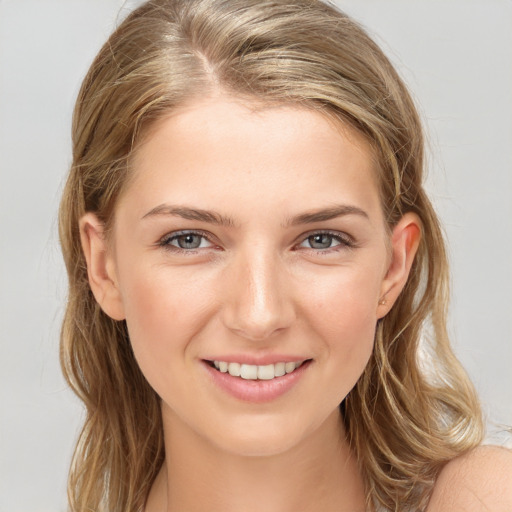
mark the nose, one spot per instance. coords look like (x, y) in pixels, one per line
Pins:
(259, 296)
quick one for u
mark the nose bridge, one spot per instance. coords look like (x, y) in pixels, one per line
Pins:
(259, 303)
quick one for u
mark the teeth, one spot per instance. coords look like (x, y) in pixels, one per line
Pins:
(279, 369)
(234, 369)
(266, 372)
(289, 367)
(254, 372)
(248, 371)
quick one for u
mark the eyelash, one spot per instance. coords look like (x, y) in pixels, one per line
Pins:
(345, 241)
(165, 241)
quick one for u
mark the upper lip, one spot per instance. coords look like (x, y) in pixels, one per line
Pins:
(256, 360)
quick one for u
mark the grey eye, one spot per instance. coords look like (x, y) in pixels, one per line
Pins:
(189, 241)
(321, 241)
(185, 241)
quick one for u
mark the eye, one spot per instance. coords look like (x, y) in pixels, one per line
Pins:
(325, 240)
(321, 241)
(185, 241)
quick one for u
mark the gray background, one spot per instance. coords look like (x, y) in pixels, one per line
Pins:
(456, 55)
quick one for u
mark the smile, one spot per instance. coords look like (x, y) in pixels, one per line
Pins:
(256, 383)
(257, 372)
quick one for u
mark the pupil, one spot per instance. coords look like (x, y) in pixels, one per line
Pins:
(320, 241)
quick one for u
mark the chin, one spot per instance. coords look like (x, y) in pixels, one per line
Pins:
(266, 435)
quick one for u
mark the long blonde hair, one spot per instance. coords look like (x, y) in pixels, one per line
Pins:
(413, 409)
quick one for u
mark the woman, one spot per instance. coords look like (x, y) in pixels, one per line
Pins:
(258, 281)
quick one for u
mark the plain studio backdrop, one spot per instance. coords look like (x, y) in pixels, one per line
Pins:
(456, 56)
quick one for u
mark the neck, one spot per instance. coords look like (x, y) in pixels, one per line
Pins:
(317, 475)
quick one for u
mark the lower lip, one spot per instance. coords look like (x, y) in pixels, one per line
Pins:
(256, 391)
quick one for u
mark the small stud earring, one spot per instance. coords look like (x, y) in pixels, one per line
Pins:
(382, 302)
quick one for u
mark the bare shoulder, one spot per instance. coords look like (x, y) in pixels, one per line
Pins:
(479, 481)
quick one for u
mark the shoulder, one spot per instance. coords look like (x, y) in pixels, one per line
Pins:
(479, 481)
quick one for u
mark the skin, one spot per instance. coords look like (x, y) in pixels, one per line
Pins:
(258, 284)
(479, 481)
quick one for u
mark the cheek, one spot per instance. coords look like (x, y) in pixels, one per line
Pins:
(346, 300)
(344, 316)
(351, 334)
(163, 313)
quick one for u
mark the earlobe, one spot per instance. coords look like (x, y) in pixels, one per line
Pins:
(100, 266)
(405, 241)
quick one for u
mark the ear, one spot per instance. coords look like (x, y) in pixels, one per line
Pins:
(405, 240)
(100, 266)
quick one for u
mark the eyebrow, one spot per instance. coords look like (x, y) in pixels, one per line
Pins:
(185, 212)
(212, 217)
(324, 214)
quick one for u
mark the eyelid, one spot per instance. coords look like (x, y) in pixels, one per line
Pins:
(346, 241)
(173, 235)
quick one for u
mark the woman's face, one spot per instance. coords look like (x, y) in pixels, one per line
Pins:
(250, 239)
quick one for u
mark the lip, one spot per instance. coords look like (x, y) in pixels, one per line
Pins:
(256, 391)
(257, 360)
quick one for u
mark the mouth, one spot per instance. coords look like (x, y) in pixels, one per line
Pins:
(257, 372)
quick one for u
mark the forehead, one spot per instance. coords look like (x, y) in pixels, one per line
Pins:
(223, 111)
(279, 153)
